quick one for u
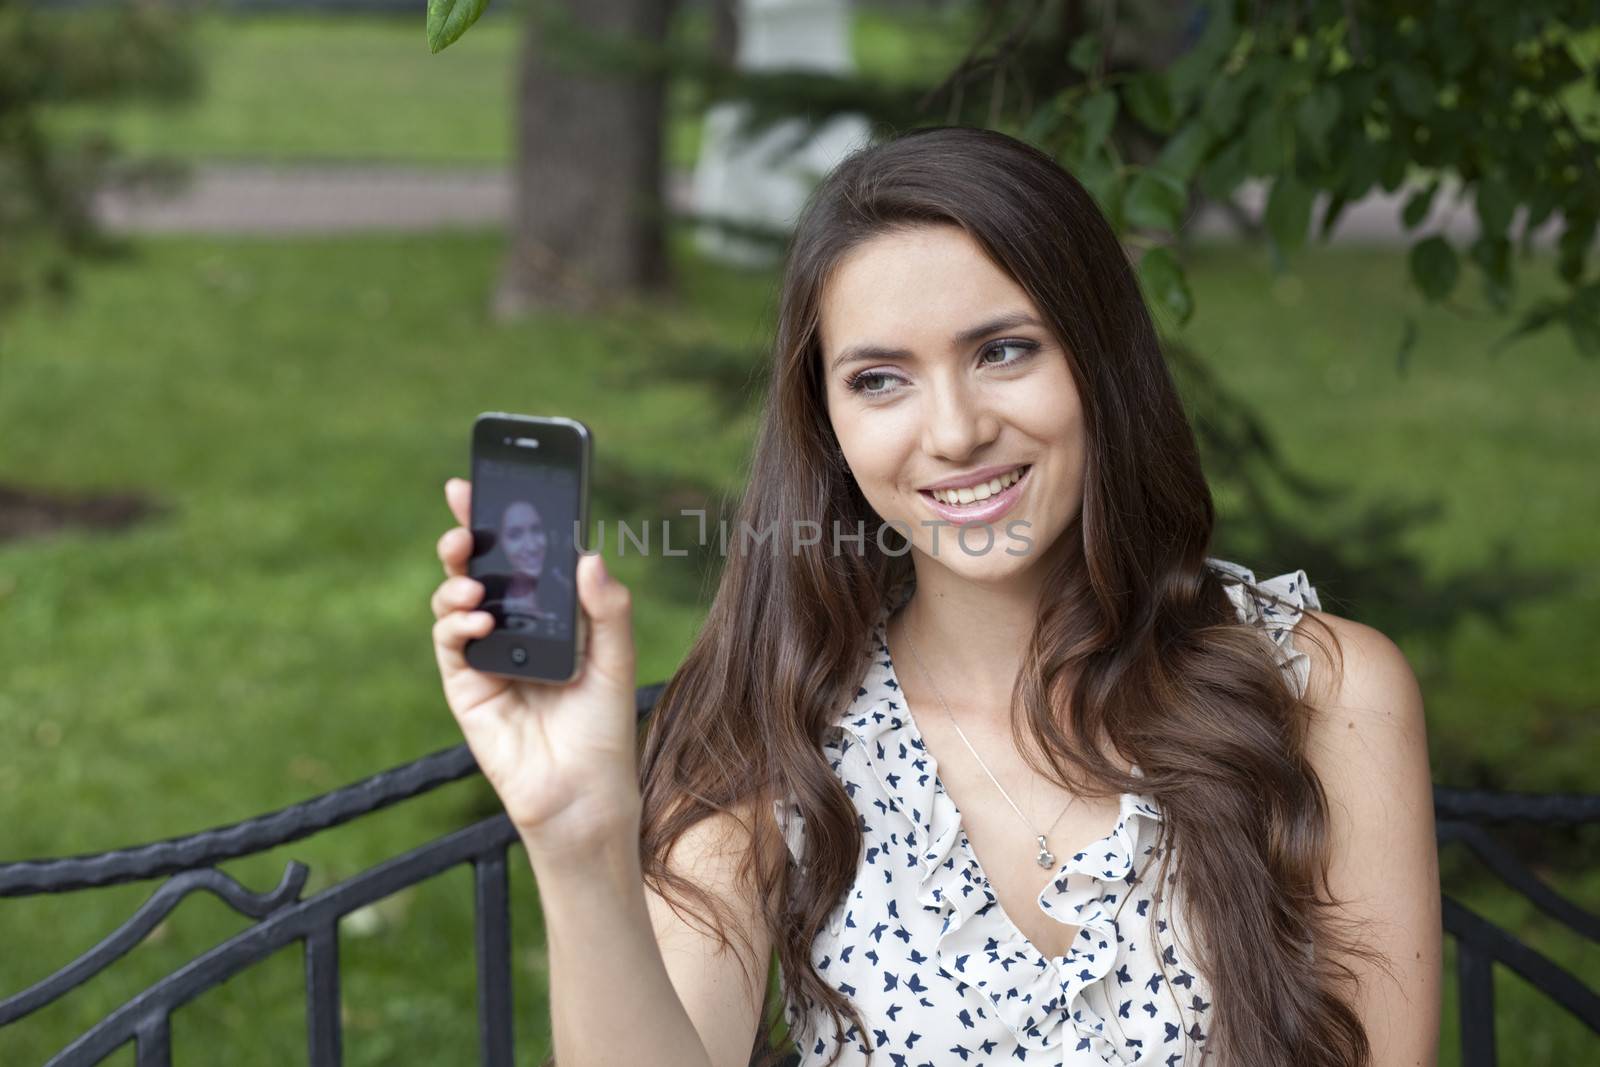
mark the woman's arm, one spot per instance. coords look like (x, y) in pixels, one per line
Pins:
(563, 761)
(1368, 744)
(630, 981)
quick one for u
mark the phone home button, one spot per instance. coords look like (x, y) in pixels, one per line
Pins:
(519, 655)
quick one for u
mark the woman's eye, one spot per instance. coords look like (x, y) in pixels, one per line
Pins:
(863, 382)
(1023, 348)
(858, 382)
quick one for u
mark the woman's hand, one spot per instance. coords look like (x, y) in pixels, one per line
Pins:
(561, 758)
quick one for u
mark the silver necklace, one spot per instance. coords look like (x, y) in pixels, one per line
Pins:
(1046, 858)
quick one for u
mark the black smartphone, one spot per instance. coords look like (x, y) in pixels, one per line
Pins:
(530, 521)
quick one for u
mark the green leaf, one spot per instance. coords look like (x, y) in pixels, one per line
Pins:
(1183, 153)
(1150, 99)
(1493, 257)
(1535, 319)
(1046, 119)
(1417, 205)
(1222, 175)
(1157, 200)
(1199, 65)
(1585, 331)
(1099, 175)
(449, 19)
(1573, 245)
(1083, 53)
(1408, 341)
(1222, 101)
(1288, 212)
(1495, 203)
(1358, 88)
(1392, 166)
(1359, 165)
(1540, 203)
(1097, 114)
(1331, 212)
(1413, 90)
(1435, 267)
(1268, 141)
(1584, 48)
(1164, 282)
(1315, 115)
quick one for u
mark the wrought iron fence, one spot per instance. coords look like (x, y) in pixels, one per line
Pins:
(188, 865)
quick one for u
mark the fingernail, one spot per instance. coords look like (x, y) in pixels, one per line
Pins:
(605, 575)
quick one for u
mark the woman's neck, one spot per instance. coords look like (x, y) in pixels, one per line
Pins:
(972, 636)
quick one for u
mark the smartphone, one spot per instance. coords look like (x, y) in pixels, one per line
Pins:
(530, 521)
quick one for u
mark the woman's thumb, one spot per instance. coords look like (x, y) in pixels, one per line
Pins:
(609, 607)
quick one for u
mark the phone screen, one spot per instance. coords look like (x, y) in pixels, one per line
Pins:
(528, 482)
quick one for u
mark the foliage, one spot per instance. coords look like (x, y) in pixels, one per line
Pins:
(47, 181)
(1334, 99)
(449, 19)
(1323, 101)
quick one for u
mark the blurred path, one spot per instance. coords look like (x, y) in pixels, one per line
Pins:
(257, 198)
(263, 198)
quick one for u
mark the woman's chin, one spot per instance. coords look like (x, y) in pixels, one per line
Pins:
(977, 560)
(991, 566)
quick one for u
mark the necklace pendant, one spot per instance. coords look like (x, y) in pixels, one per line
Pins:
(1046, 857)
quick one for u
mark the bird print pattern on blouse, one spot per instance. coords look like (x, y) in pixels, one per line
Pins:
(921, 946)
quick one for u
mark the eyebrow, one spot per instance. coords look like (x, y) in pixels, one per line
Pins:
(871, 352)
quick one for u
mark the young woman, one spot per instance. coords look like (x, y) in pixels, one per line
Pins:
(529, 598)
(1086, 795)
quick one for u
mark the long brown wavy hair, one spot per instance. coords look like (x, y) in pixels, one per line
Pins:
(1136, 639)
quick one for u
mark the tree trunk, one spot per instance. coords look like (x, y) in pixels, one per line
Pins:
(587, 217)
(725, 31)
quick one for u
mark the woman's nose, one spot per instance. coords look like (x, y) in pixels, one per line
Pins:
(958, 422)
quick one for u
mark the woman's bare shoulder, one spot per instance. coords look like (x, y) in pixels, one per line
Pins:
(1361, 669)
(1367, 740)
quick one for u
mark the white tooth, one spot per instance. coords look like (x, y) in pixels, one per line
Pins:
(981, 491)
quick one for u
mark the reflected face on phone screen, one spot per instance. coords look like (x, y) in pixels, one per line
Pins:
(529, 564)
(523, 535)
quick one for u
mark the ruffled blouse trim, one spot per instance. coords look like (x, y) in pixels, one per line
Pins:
(1086, 889)
(1287, 598)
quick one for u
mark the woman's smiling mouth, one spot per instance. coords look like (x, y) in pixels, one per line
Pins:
(979, 501)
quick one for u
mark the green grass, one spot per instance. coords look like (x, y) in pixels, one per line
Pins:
(310, 87)
(1505, 443)
(298, 404)
(306, 87)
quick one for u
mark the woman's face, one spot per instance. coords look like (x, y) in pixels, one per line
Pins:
(522, 534)
(938, 367)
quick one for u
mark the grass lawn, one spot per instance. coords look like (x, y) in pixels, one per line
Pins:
(298, 405)
(303, 87)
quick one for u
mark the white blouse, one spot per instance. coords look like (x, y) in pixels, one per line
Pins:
(922, 948)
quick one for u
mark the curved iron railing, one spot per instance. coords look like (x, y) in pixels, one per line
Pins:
(187, 864)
